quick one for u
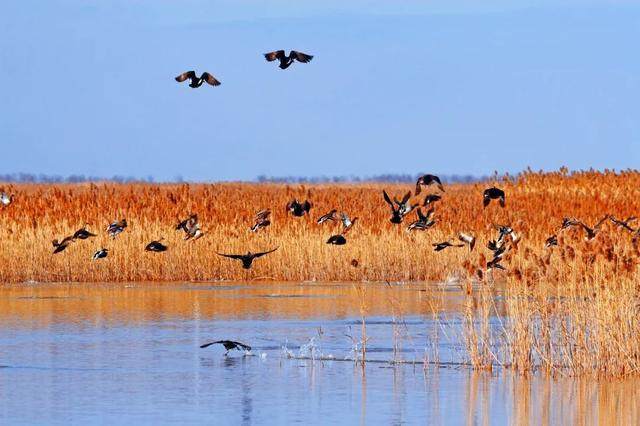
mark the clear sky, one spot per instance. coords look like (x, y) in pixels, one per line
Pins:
(466, 87)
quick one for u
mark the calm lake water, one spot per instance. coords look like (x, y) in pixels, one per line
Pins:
(118, 353)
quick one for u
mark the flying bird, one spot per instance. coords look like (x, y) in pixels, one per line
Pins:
(551, 241)
(116, 227)
(590, 233)
(430, 199)
(495, 264)
(191, 228)
(83, 233)
(337, 240)
(60, 246)
(156, 246)
(228, 345)
(347, 222)
(261, 220)
(100, 254)
(493, 194)
(329, 216)
(286, 61)
(624, 224)
(424, 222)
(399, 209)
(197, 81)
(443, 245)
(247, 259)
(426, 180)
(299, 209)
(467, 239)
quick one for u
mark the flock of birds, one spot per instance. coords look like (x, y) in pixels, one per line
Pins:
(399, 210)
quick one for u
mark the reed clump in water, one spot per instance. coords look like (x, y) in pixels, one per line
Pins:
(536, 204)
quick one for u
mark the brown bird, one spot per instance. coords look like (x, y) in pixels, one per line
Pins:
(228, 345)
(191, 228)
(156, 246)
(261, 220)
(430, 199)
(330, 216)
(60, 246)
(197, 81)
(347, 222)
(82, 233)
(592, 232)
(286, 61)
(624, 223)
(299, 209)
(246, 259)
(427, 180)
(443, 245)
(493, 194)
(424, 222)
(116, 227)
(468, 239)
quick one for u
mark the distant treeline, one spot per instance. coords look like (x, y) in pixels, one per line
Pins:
(42, 178)
(392, 178)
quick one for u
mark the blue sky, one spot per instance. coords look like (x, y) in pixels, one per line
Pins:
(462, 87)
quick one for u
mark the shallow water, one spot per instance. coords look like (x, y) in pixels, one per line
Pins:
(116, 353)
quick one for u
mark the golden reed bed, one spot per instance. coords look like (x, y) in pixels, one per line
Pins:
(571, 309)
(536, 204)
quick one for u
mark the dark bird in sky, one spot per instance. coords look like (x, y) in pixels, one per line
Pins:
(443, 245)
(329, 216)
(156, 246)
(228, 345)
(299, 209)
(430, 199)
(427, 180)
(424, 222)
(116, 227)
(261, 220)
(100, 254)
(337, 240)
(197, 81)
(247, 259)
(286, 61)
(83, 233)
(493, 194)
(60, 246)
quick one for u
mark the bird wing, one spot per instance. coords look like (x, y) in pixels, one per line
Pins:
(300, 57)
(263, 214)
(206, 345)
(264, 252)
(406, 197)
(210, 79)
(306, 206)
(386, 198)
(231, 256)
(185, 75)
(241, 345)
(272, 56)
